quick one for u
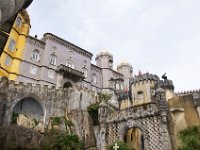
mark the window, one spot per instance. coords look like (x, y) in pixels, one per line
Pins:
(117, 86)
(18, 21)
(122, 86)
(85, 72)
(110, 63)
(12, 45)
(69, 64)
(35, 55)
(8, 61)
(140, 95)
(51, 74)
(52, 59)
(94, 78)
(33, 70)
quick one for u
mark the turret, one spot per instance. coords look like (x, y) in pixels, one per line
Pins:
(104, 59)
(127, 70)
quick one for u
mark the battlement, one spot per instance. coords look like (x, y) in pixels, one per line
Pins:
(182, 93)
(144, 77)
(13, 86)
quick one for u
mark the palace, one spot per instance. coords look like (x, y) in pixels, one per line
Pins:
(51, 77)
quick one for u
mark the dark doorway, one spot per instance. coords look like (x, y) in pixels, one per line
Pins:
(67, 85)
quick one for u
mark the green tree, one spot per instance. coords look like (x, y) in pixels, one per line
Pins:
(122, 146)
(190, 138)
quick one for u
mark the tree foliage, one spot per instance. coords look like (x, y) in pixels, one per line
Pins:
(190, 138)
(93, 112)
(93, 108)
(62, 141)
(122, 146)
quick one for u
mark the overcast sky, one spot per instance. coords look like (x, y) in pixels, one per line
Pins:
(157, 36)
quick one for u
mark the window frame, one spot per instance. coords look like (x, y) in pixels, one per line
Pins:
(69, 64)
(12, 45)
(51, 74)
(35, 56)
(18, 21)
(52, 59)
(8, 61)
(33, 70)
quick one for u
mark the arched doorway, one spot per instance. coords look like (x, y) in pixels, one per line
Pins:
(67, 85)
(134, 138)
(30, 108)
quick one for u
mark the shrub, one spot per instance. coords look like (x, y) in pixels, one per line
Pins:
(190, 138)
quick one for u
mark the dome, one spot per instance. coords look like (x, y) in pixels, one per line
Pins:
(104, 52)
(124, 63)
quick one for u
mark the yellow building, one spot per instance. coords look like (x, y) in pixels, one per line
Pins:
(11, 56)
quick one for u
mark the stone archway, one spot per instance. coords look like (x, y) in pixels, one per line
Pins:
(30, 112)
(134, 138)
(29, 107)
(141, 134)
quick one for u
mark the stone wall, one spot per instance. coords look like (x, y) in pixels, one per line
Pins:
(70, 103)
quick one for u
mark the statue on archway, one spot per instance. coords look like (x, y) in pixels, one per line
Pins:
(9, 8)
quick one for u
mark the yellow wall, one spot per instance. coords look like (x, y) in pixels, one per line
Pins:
(145, 87)
(18, 34)
(183, 114)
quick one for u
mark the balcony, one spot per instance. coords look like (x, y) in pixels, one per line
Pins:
(70, 73)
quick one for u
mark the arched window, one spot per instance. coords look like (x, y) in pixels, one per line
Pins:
(35, 55)
(94, 78)
(110, 63)
(85, 72)
(69, 64)
(117, 86)
(52, 59)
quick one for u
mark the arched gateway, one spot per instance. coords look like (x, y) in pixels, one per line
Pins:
(149, 119)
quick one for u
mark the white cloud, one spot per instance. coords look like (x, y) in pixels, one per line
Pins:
(155, 36)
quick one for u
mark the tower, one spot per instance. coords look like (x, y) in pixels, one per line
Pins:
(12, 53)
(127, 70)
(104, 60)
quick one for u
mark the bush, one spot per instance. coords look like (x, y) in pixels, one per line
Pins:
(63, 141)
(14, 118)
(190, 138)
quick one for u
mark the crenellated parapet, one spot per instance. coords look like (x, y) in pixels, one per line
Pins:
(143, 78)
(187, 92)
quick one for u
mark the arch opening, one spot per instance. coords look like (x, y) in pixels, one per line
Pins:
(67, 85)
(134, 138)
(30, 108)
